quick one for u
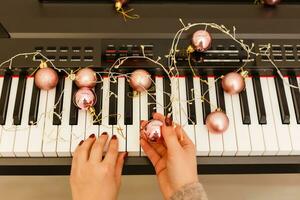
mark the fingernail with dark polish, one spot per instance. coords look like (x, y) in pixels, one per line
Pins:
(92, 136)
(169, 120)
(126, 155)
(104, 133)
(114, 137)
(80, 143)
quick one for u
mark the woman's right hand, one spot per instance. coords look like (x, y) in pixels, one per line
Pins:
(173, 157)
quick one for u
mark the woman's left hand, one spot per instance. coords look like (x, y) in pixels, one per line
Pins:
(94, 178)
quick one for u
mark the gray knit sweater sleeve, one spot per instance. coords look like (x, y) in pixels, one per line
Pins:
(193, 191)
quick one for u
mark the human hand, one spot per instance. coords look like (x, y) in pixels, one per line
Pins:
(94, 178)
(173, 157)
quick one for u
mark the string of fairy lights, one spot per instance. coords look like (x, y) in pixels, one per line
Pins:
(46, 77)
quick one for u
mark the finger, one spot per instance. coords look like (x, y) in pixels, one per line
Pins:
(142, 130)
(170, 137)
(98, 148)
(150, 152)
(82, 152)
(184, 140)
(112, 152)
(159, 147)
(159, 117)
(143, 124)
(119, 165)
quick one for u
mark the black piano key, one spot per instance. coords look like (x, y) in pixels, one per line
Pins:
(205, 93)
(151, 101)
(167, 93)
(34, 105)
(128, 104)
(98, 105)
(245, 107)
(259, 100)
(283, 106)
(191, 110)
(296, 97)
(4, 97)
(73, 120)
(58, 100)
(220, 95)
(113, 102)
(18, 108)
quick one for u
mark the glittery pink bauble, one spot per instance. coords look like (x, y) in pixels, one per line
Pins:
(46, 78)
(217, 122)
(201, 40)
(140, 80)
(86, 77)
(123, 2)
(233, 83)
(271, 2)
(84, 98)
(153, 130)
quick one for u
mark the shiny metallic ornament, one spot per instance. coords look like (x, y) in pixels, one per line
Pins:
(140, 80)
(233, 82)
(46, 78)
(119, 4)
(153, 130)
(201, 40)
(271, 2)
(86, 77)
(84, 98)
(217, 122)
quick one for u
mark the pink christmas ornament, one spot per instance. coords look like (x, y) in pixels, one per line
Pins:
(84, 98)
(153, 130)
(86, 77)
(46, 78)
(233, 83)
(272, 2)
(201, 40)
(217, 122)
(140, 80)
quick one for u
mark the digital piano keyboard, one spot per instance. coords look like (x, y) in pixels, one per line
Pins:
(264, 133)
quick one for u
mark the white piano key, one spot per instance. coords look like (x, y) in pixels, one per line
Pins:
(144, 106)
(50, 130)
(175, 98)
(65, 129)
(90, 127)
(78, 131)
(293, 126)
(229, 137)
(143, 110)
(120, 128)
(269, 131)
(215, 140)
(105, 127)
(188, 128)
(133, 131)
(1, 84)
(282, 130)
(37, 130)
(242, 130)
(255, 129)
(201, 132)
(9, 130)
(23, 130)
(159, 94)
